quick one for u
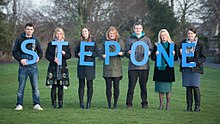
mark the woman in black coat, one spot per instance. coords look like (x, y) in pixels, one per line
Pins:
(86, 72)
(191, 75)
(57, 75)
(164, 75)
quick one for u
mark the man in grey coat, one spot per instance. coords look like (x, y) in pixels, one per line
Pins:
(134, 71)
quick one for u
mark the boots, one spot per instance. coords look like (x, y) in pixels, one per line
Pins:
(81, 94)
(197, 99)
(88, 105)
(60, 104)
(60, 96)
(89, 93)
(53, 97)
(189, 99)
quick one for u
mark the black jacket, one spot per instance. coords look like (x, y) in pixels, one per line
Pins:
(199, 57)
(168, 74)
(139, 52)
(18, 54)
(87, 72)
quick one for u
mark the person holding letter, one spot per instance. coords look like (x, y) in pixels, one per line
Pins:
(25, 68)
(86, 71)
(164, 74)
(138, 71)
(57, 73)
(112, 72)
(190, 74)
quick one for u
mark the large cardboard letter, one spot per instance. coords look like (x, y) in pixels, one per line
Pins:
(108, 53)
(132, 56)
(59, 50)
(83, 53)
(185, 54)
(25, 50)
(161, 50)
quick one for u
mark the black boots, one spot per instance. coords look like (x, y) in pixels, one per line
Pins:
(60, 104)
(189, 98)
(53, 100)
(53, 96)
(81, 94)
(197, 99)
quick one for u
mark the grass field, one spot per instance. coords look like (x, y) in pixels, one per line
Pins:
(99, 113)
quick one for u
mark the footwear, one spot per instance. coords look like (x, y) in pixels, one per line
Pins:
(54, 106)
(129, 106)
(115, 105)
(197, 99)
(109, 105)
(189, 99)
(197, 109)
(160, 107)
(60, 104)
(19, 107)
(82, 105)
(88, 105)
(168, 107)
(37, 107)
(144, 106)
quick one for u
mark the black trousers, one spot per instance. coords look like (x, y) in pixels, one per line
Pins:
(54, 95)
(133, 75)
(89, 90)
(108, 81)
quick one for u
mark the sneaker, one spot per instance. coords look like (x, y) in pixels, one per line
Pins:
(37, 107)
(65, 87)
(19, 107)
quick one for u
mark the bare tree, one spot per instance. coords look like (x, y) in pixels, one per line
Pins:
(186, 13)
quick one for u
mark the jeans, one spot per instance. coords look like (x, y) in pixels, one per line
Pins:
(23, 73)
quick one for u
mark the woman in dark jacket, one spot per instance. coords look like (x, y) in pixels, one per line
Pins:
(191, 75)
(113, 71)
(86, 72)
(164, 75)
(57, 75)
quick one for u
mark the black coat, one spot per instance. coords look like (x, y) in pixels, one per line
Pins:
(52, 68)
(199, 57)
(168, 74)
(87, 72)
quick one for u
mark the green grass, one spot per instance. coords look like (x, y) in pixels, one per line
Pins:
(210, 100)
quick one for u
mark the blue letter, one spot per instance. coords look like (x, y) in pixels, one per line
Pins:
(185, 54)
(132, 57)
(59, 50)
(108, 53)
(170, 60)
(83, 53)
(25, 50)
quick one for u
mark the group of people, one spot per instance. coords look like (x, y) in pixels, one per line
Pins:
(58, 75)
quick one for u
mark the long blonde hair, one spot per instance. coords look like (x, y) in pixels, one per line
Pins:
(58, 30)
(168, 35)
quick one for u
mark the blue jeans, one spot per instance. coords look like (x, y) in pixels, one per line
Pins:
(23, 73)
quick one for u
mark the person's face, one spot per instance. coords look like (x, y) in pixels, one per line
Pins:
(85, 33)
(112, 35)
(191, 36)
(29, 31)
(163, 36)
(59, 35)
(138, 29)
